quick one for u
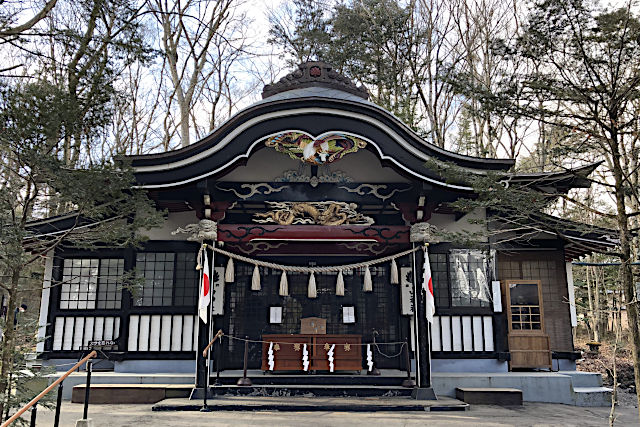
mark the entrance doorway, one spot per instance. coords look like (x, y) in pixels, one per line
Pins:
(528, 343)
(249, 313)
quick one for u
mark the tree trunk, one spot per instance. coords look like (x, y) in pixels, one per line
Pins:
(626, 268)
(8, 340)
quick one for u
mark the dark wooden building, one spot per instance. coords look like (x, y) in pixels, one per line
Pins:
(316, 175)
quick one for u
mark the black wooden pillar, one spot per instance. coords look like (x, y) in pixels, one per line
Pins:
(422, 330)
(203, 340)
(126, 303)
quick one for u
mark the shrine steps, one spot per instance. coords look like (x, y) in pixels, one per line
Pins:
(259, 379)
(312, 404)
(324, 390)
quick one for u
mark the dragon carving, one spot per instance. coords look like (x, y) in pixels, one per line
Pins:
(319, 213)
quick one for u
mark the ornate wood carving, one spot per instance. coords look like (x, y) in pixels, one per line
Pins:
(316, 73)
(318, 213)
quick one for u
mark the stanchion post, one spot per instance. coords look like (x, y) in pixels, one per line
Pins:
(409, 383)
(34, 414)
(87, 390)
(218, 360)
(56, 419)
(244, 381)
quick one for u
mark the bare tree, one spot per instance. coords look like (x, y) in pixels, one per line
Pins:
(201, 43)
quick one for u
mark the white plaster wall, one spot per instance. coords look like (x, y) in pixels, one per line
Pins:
(171, 223)
(448, 223)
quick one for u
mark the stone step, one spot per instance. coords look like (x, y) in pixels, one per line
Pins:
(584, 379)
(130, 393)
(327, 390)
(313, 404)
(275, 379)
(501, 396)
(592, 396)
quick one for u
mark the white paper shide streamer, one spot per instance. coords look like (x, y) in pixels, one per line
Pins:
(330, 357)
(305, 358)
(369, 357)
(272, 362)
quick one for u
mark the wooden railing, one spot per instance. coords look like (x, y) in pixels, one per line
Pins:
(48, 389)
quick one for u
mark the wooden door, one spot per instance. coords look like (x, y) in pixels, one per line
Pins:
(528, 342)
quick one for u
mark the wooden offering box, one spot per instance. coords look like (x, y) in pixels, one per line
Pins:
(288, 357)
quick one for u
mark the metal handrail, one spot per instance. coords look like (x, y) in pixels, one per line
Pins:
(205, 352)
(48, 389)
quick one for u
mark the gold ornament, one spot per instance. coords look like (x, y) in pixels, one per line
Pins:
(296, 347)
(276, 347)
(347, 347)
(327, 346)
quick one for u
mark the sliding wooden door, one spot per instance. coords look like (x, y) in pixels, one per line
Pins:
(528, 342)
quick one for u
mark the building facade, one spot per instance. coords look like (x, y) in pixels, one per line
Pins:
(315, 175)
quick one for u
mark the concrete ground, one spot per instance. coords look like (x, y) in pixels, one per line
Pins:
(531, 414)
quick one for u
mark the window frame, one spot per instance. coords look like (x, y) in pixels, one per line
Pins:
(450, 308)
(99, 282)
(153, 307)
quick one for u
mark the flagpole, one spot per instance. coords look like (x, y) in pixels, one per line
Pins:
(211, 273)
(197, 344)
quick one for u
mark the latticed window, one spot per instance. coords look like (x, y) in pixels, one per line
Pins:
(461, 278)
(169, 279)
(469, 272)
(89, 283)
(157, 270)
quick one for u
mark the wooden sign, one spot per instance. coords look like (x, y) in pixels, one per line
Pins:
(313, 326)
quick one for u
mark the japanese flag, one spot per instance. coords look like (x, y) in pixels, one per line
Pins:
(427, 286)
(205, 290)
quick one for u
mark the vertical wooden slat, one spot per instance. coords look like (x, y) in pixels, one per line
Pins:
(187, 333)
(116, 327)
(58, 333)
(88, 329)
(467, 334)
(78, 332)
(154, 334)
(488, 333)
(436, 344)
(108, 328)
(98, 330)
(143, 336)
(477, 334)
(456, 333)
(134, 328)
(67, 341)
(165, 336)
(176, 333)
(445, 325)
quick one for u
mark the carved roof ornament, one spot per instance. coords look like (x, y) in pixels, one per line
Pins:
(206, 229)
(423, 232)
(315, 73)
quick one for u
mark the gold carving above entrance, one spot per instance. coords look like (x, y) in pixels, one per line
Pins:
(316, 213)
(326, 148)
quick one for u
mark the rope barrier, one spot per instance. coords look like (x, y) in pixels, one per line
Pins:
(302, 269)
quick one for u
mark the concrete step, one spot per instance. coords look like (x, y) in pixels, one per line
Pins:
(592, 396)
(490, 396)
(327, 390)
(584, 379)
(130, 393)
(283, 379)
(313, 404)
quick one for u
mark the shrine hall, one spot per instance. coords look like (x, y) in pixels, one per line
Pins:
(317, 218)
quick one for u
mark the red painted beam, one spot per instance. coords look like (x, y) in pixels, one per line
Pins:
(264, 232)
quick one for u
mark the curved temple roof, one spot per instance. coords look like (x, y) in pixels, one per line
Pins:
(314, 100)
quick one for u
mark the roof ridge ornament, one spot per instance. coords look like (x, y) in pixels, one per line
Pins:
(314, 73)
